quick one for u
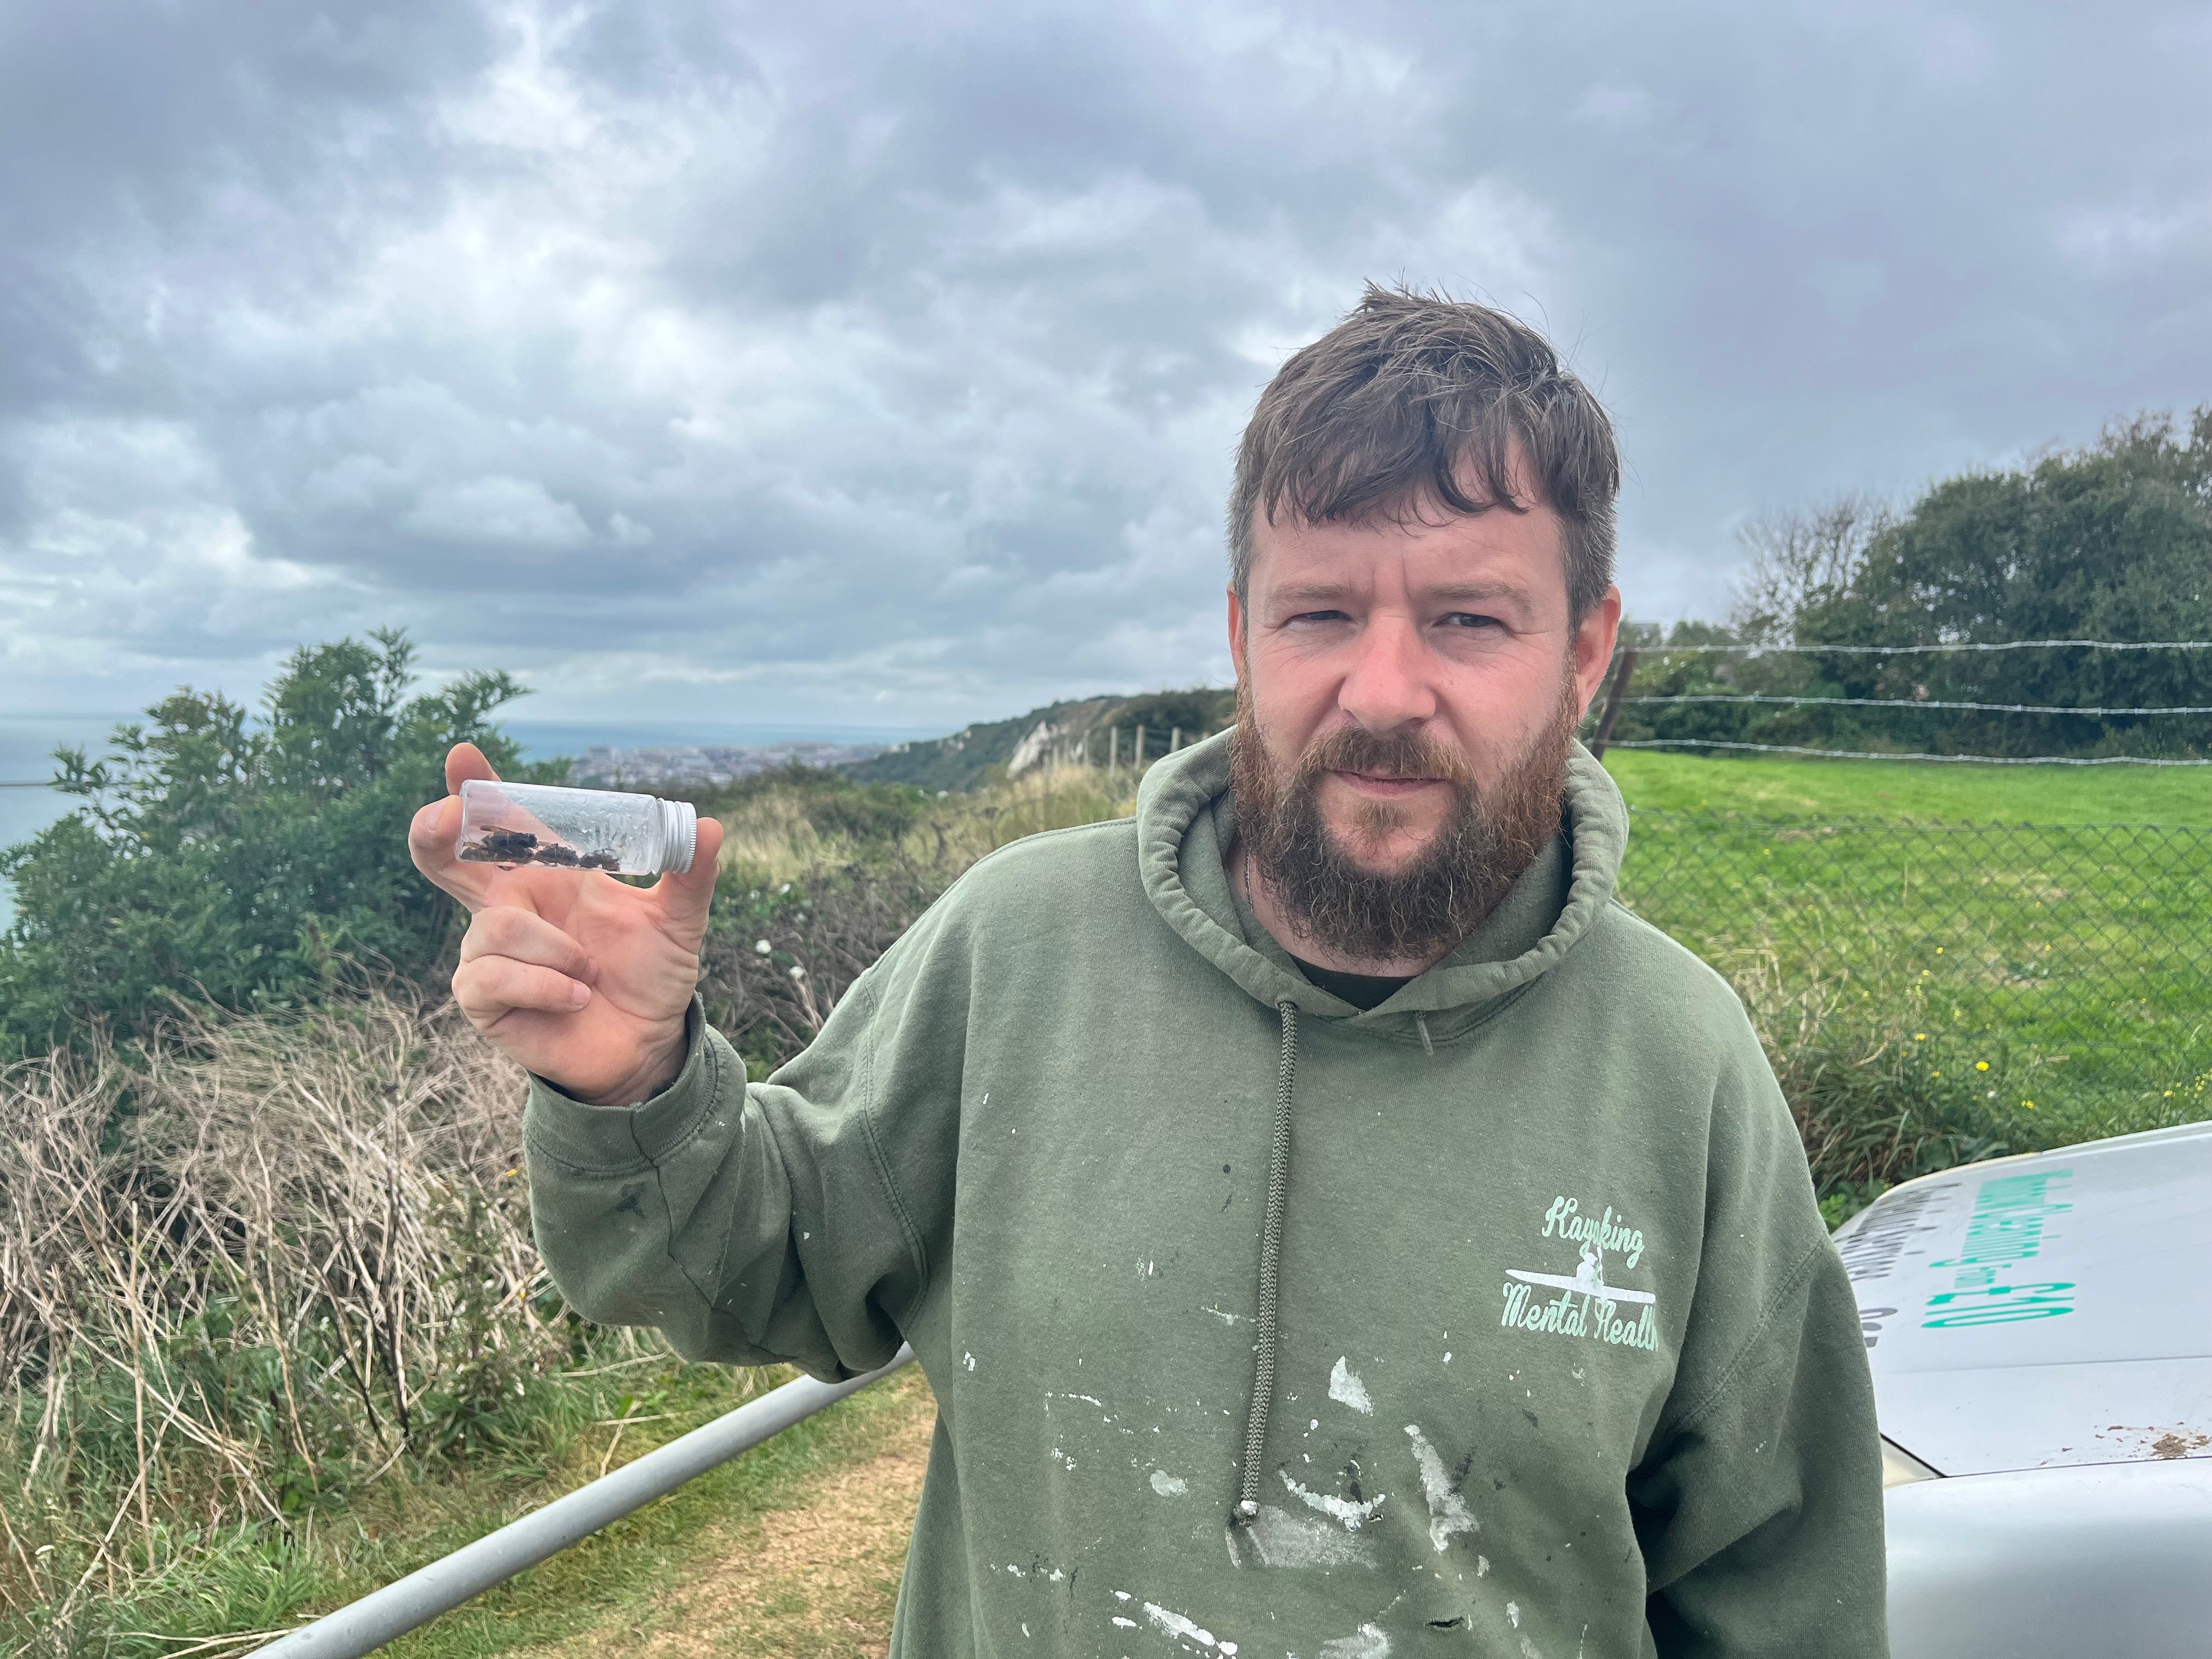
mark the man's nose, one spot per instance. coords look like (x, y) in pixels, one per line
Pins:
(1388, 687)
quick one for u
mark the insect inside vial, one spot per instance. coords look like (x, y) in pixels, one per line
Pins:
(500, 846)
(509, 848)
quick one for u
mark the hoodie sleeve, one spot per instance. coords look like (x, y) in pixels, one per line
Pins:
(796, 1220)
(1759, 1502)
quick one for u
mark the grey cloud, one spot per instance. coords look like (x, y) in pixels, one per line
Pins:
(733, 359)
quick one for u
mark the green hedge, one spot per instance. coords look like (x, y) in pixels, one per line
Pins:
(242, 860)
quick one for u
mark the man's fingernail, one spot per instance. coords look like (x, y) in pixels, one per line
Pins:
(581, 994)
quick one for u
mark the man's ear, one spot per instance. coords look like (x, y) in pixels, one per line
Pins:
(1594, 641)
(1236, 633)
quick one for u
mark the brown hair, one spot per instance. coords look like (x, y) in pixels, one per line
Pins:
(1403, 404)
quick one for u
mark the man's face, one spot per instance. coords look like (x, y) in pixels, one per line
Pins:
(1421, 675)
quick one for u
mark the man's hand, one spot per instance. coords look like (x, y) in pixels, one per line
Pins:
(584, 979)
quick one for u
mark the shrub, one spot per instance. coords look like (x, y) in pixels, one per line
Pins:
(248, 862)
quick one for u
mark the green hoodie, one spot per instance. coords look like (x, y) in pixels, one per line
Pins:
(1562, 1363)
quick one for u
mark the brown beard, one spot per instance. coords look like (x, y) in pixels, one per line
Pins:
(1417, 914)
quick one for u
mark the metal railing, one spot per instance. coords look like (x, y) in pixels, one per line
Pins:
(385, 1615)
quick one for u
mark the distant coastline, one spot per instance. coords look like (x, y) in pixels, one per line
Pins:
(695, 765)
(27, 743)
(641, 755)
(542, 740)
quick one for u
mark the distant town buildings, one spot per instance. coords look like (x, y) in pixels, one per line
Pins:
(706, 764)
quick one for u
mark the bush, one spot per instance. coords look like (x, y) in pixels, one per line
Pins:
(251, 863)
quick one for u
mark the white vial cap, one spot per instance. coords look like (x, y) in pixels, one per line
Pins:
(679, 835)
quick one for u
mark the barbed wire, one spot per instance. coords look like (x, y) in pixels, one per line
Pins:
(1869, 754)
(1915, 702)
(1917, 650)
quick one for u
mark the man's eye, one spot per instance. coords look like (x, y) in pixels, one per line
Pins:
(1471, 619)
(1321, 616)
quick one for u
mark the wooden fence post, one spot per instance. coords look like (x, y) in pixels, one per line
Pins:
(1613, 703)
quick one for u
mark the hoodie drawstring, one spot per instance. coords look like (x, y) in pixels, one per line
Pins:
(1270, 1261)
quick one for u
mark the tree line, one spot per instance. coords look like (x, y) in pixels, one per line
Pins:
(2110, 542)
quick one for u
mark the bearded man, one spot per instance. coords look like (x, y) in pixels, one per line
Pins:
(1330, 1225)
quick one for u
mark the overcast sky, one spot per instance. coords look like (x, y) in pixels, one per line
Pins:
(884, 366)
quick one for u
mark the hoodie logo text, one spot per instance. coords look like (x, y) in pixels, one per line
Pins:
(1586, 1305)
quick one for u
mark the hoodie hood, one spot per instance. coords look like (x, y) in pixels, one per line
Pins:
(1186, 819)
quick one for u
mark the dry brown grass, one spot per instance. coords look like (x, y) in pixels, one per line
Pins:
(826, 906)
(243, 1271)
(819, 1580)
(772, 838)
(962, 829)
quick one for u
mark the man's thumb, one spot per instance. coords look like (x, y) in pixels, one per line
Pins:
(686, 896)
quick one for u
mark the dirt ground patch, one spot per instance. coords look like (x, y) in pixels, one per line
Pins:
(816, 1581)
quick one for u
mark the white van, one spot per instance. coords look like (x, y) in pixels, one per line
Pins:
(2040, 1331)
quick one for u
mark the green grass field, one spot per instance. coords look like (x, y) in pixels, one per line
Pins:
(1779, 786)
(1971, 960)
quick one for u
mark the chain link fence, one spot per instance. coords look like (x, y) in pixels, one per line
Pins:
(2035, 966)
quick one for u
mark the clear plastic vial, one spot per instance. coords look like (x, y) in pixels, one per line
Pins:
(515, 824)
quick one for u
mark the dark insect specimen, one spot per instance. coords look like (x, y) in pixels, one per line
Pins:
(502, 846)
(513, 847)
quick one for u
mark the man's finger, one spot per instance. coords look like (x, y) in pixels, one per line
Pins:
(465, 761)
(491, 987)
(430, 837)
(508, 930)
(434, 830)
(684, 898)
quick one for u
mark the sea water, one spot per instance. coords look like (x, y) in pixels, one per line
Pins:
(27, 748)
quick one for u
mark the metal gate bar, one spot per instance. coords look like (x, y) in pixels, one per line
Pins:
(383, 1615)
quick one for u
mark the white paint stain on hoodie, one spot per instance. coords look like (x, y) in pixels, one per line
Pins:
(1345, 1386)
